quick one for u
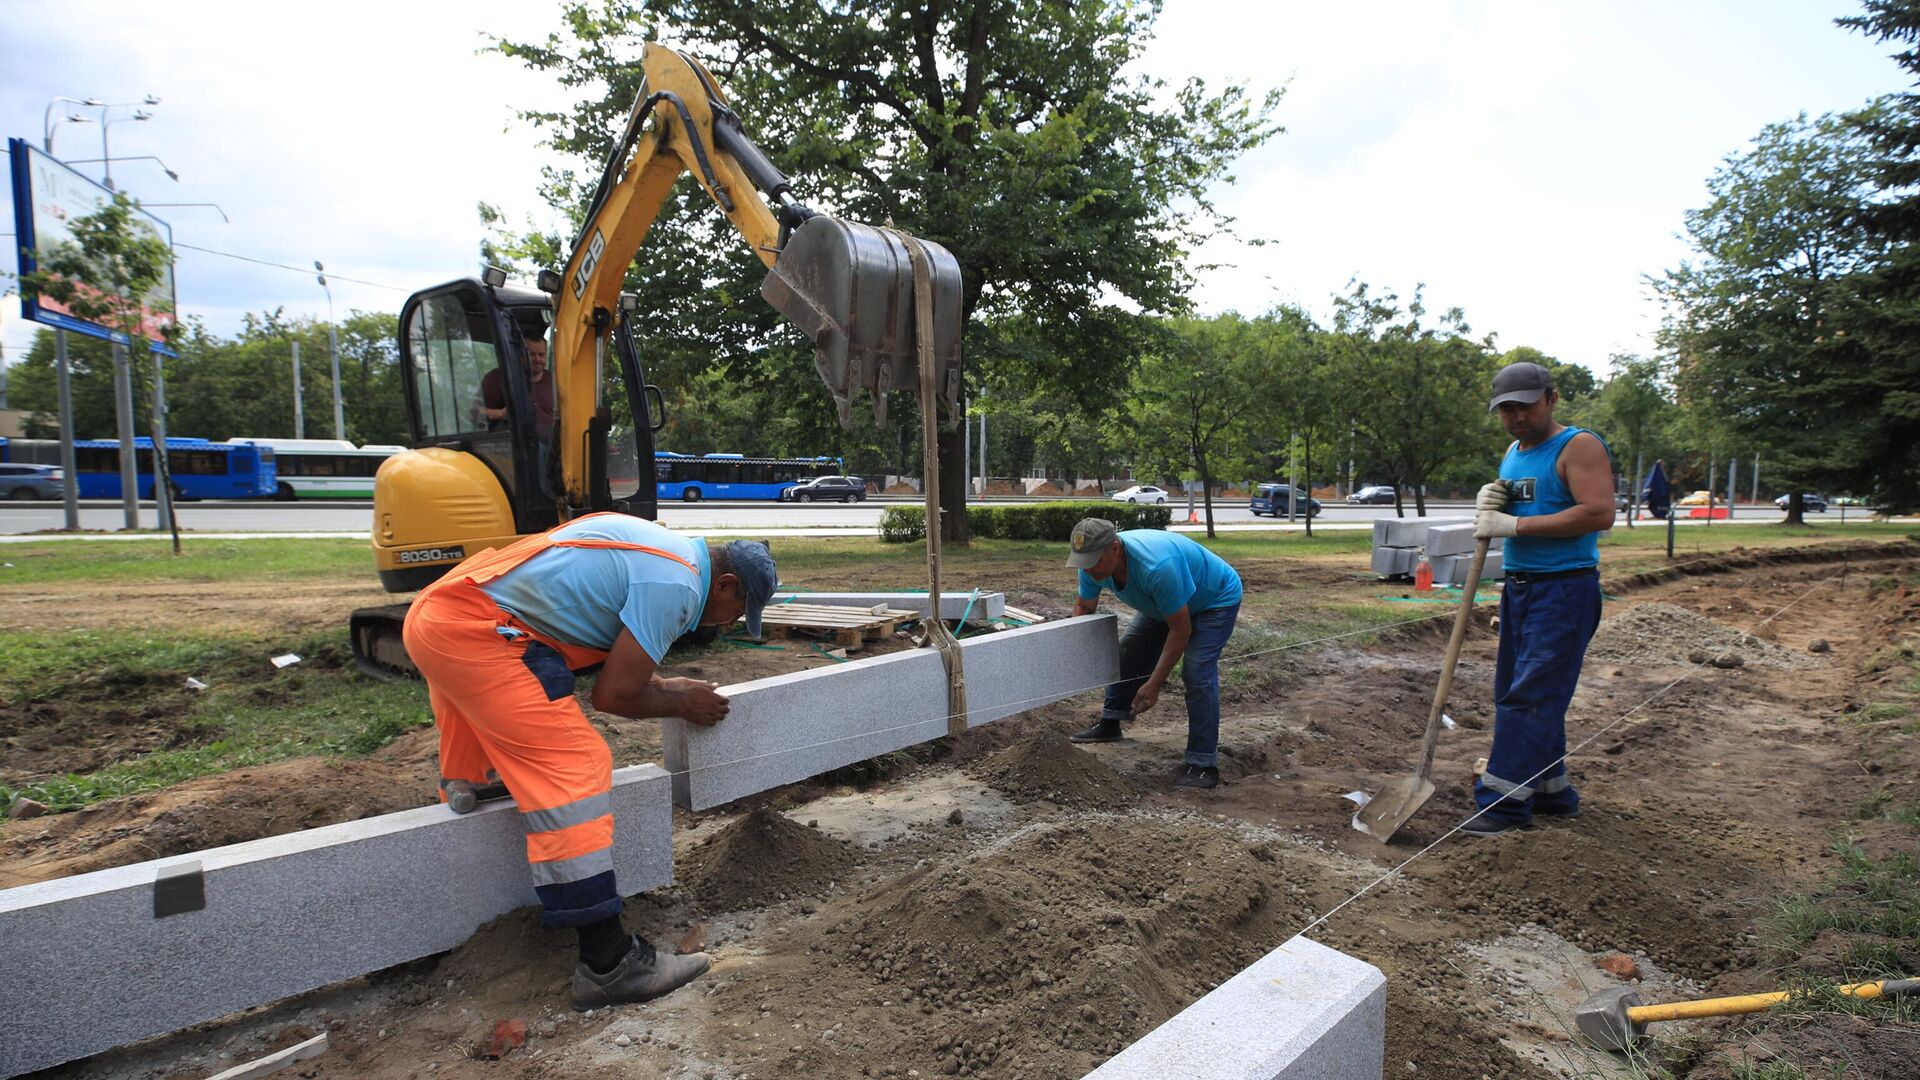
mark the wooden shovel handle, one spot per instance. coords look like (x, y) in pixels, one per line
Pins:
(1453, 656)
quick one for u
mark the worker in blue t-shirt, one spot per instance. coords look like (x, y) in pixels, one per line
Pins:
(1553, 499)
(1187, 599)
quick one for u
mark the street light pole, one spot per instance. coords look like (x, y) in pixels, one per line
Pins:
(333, 353)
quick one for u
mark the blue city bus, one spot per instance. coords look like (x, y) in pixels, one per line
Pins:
(201, 469)
(691, 478)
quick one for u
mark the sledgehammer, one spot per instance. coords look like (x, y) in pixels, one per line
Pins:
(1614, 1019)
(464, 795)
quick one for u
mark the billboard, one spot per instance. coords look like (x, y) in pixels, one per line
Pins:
(46, 196)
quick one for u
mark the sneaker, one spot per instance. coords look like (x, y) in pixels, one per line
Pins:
(1486, 826)
(641, 975)
(1198, 776)
(1105, 729)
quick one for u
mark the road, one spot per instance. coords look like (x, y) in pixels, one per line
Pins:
(761, 517)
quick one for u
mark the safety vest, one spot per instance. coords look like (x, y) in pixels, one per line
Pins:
(496, 562)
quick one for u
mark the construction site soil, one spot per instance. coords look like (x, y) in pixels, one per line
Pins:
(1007, 904)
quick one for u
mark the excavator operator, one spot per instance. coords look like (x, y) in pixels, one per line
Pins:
(499, 640)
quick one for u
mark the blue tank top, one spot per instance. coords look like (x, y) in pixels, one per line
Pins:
(1538, 489)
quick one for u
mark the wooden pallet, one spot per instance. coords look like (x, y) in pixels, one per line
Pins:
(846, 625)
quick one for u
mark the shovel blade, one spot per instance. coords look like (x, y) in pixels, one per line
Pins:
(849, 287)
(1386, 812)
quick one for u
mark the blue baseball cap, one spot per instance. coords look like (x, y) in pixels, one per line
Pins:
(753, 565)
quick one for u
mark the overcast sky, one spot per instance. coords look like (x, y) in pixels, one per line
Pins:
(1529, 162)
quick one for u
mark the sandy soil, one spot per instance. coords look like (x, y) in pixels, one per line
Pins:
(1008, 905)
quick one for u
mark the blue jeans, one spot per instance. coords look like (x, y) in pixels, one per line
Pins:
(1544, 630)
(1200, 673)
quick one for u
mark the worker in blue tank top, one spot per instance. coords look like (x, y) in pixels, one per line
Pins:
(1553, 499)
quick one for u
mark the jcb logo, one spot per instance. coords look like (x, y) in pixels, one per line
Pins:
(585, 274)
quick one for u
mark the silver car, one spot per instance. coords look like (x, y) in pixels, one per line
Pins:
(32, 482)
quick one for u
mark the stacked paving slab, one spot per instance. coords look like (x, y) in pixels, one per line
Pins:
(1448, 542)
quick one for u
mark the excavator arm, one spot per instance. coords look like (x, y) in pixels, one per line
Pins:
(848, 286)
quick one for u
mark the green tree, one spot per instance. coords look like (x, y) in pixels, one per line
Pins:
(1301, 400)
(1882, 399)
(1426, 387)
(1758, 317)
(1007, 130)
(1188, 411)
(1633, 408)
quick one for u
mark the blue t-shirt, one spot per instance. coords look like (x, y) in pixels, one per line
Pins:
(1534, 476)
(1167, 572)
(584, 596)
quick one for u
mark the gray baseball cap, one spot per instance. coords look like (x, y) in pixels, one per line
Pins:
(1522, 382)
(1090, 540)
(753, 565)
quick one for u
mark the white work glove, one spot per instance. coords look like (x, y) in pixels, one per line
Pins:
(1492, 525)
(1495, 496)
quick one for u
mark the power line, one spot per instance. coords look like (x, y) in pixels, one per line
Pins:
(283, 266)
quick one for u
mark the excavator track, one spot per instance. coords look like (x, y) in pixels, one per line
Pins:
(378, 650)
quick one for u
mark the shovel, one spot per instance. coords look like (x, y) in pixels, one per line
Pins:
(1615, 1020)
(1401, 799)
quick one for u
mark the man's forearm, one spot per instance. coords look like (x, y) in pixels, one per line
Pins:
(1085, 607)
(654, 699)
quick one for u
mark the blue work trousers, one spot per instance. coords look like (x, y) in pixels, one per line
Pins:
(1544, 630)
(1200, 673)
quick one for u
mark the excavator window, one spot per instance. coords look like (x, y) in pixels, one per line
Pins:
(451, 348)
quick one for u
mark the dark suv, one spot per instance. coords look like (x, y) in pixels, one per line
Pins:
(827, 489)
(1274, 498)
(32, 482)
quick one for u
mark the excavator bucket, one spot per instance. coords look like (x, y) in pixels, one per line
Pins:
(850, 288)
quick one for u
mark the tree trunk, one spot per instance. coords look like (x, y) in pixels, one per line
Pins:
(1206, 490)
(1796, 509)
(954, 528)
(1419, 495)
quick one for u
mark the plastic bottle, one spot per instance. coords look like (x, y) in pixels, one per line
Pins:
(1423, 574)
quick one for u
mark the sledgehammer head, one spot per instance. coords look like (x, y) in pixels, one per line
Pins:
(1603, 1019)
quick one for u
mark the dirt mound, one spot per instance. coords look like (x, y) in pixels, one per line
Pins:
(1658, 633)
(1048, 766)
(761, 859)
(1056, 949)
(213, 811)
(1609, 881)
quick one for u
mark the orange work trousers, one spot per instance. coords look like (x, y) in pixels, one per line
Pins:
(502, 698)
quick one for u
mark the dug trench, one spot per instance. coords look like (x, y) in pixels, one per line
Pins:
(1011, 905)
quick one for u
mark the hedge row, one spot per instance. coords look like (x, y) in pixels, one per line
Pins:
(1040, 521)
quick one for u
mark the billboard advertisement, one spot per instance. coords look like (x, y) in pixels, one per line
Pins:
(47, 195)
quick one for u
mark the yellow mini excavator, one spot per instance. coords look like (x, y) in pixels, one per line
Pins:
(581, 440)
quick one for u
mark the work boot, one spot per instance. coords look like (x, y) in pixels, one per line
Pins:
(641, 975)
(1490, 826)
(1198, 776)
(1106, 729)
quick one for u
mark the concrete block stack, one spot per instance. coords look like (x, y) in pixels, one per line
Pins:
(1397, 543)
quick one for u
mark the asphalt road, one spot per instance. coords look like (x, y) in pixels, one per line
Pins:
(348, 517)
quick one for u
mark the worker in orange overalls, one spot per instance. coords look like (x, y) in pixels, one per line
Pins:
(499, 639)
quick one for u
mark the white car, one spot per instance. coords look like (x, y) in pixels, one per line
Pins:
(1141, 493)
